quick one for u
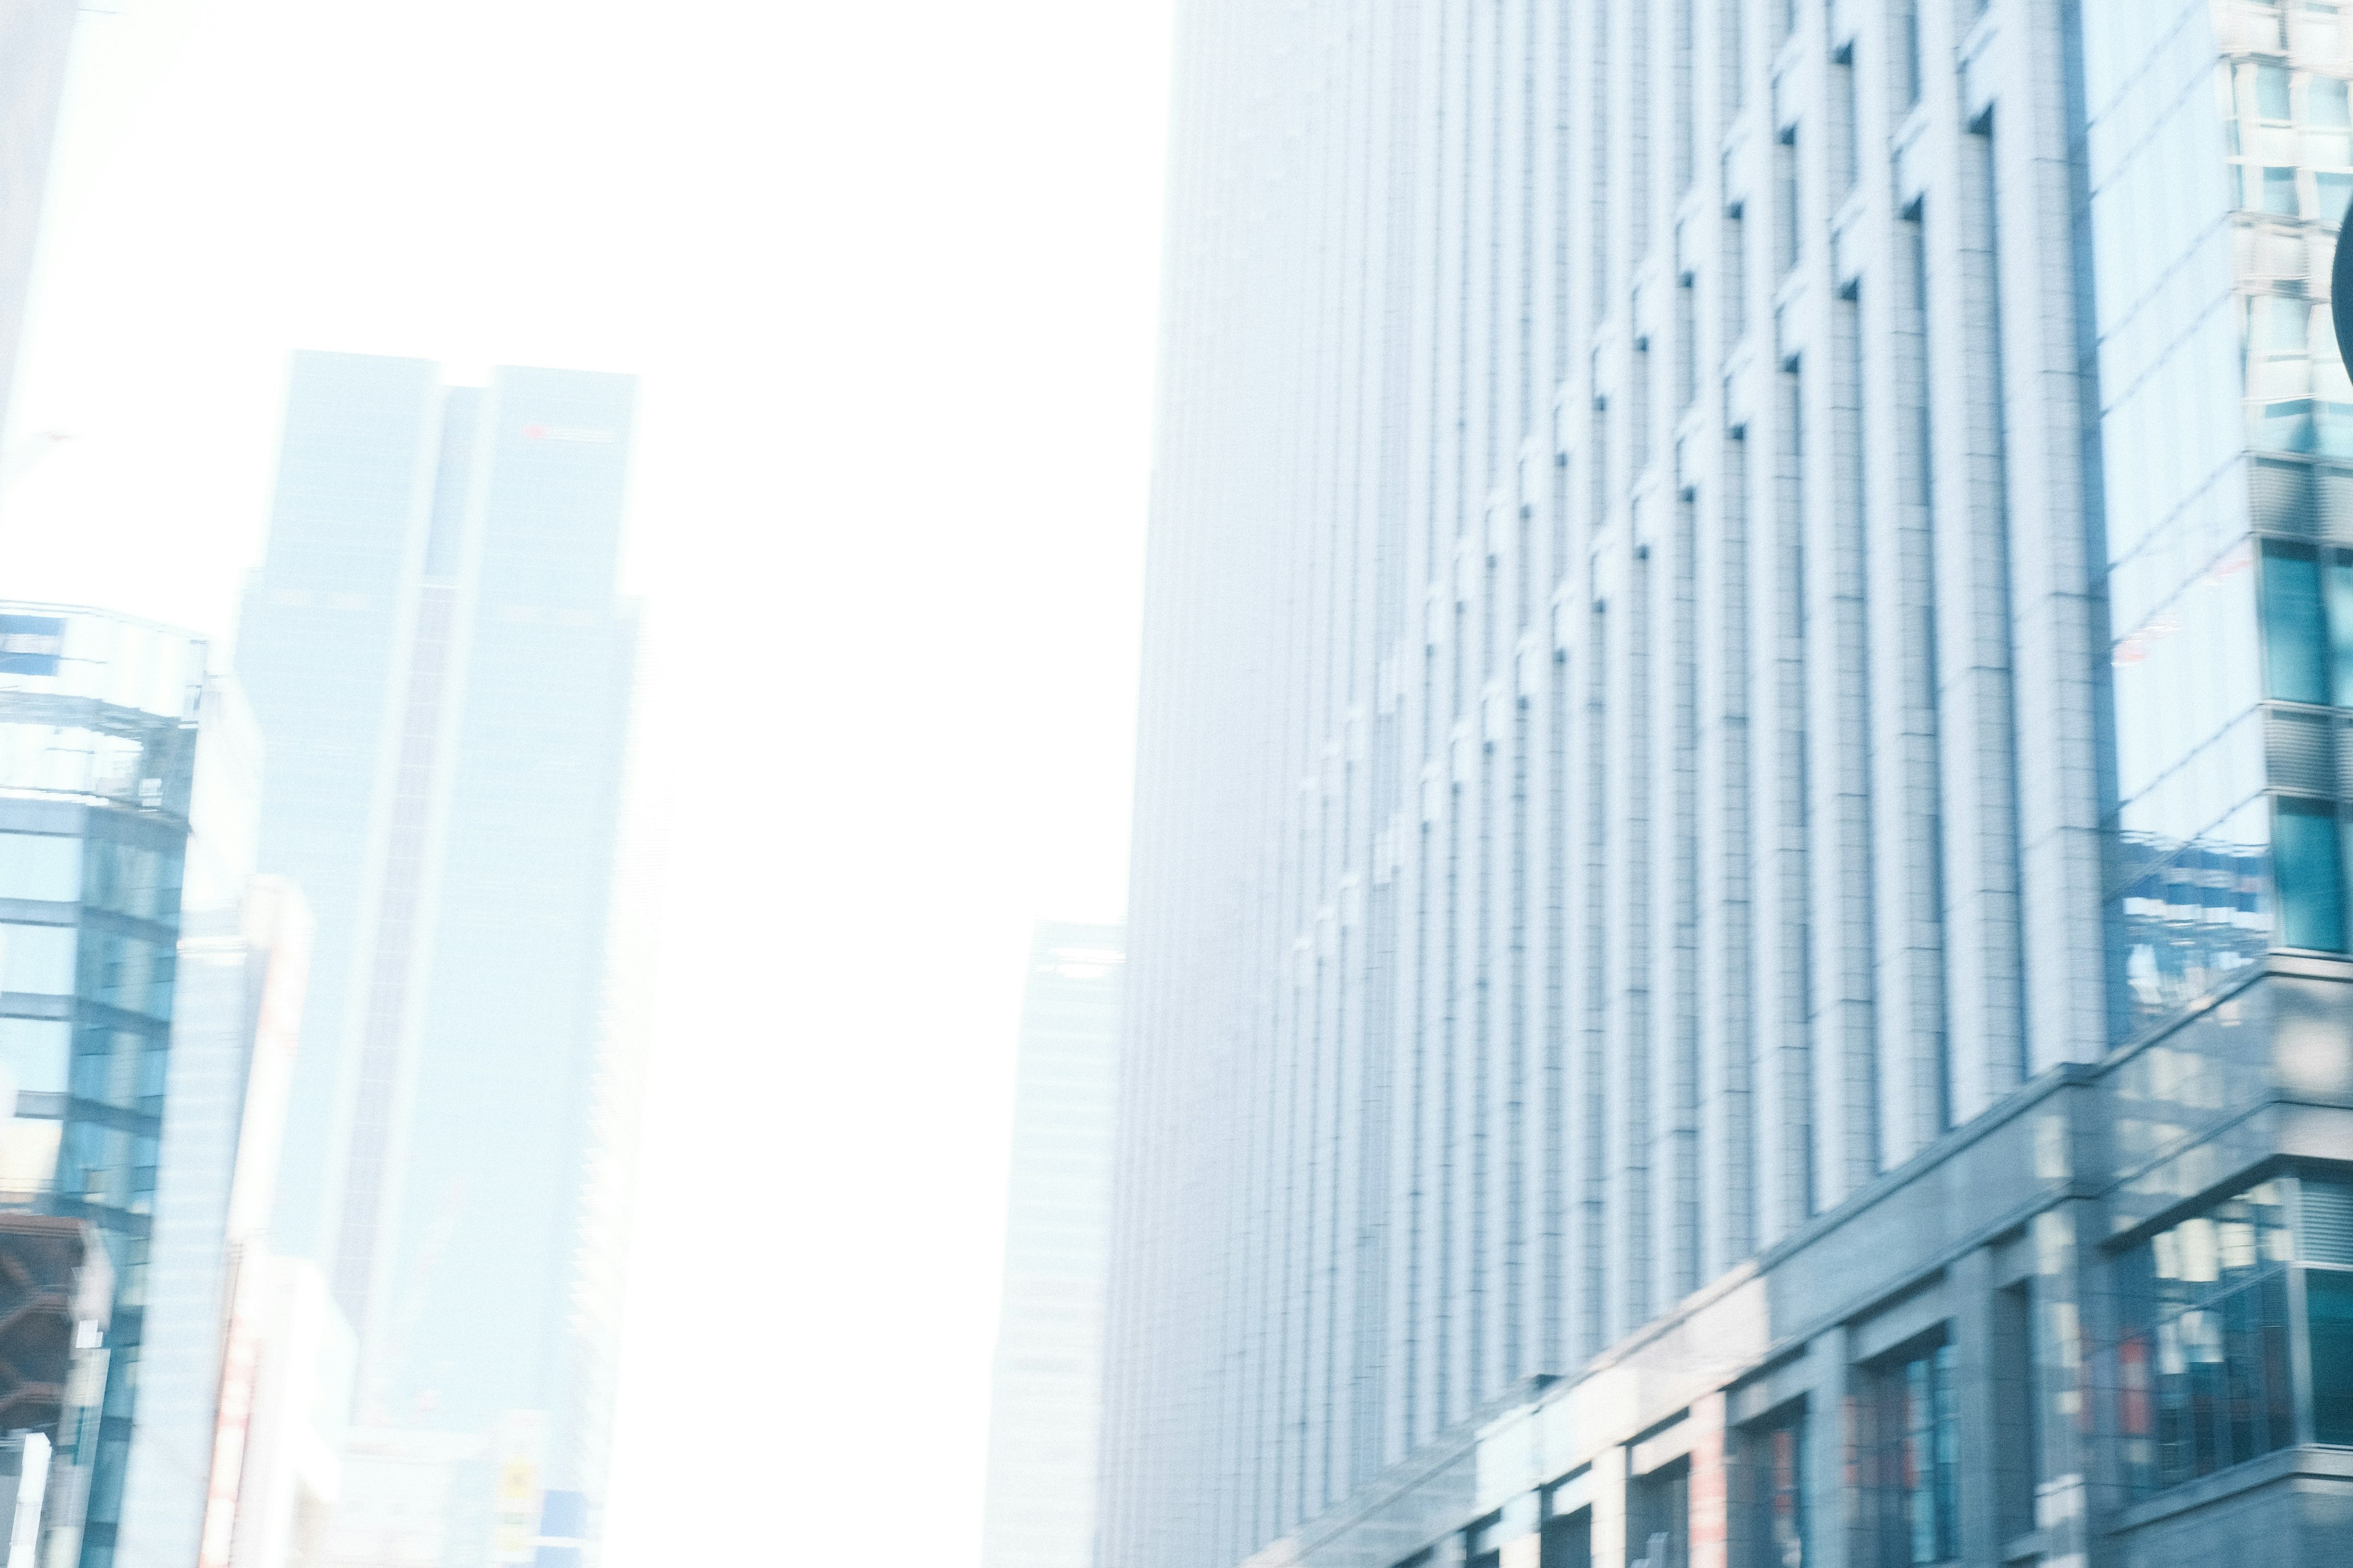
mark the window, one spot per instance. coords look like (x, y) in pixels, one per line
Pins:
(2308, 869)
(38, 960)
(2327, 125)
(1775, 1477)
(2307, 615)
(2279, 373)
(2325, 1229)
(1913, 1447)
(2316, 30)
(40, 866)
(33, 1055)
(1658, 1518)
(1568, 1540)
(2018, 1457)
(2296, 639)
(2207, 1366)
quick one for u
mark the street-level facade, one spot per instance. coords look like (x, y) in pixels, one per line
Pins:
(1739, 929)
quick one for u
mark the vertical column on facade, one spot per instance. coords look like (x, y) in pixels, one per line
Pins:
(1539, 936)
(1725, 929)
(1598, 934)
(2056, 606)
(1480, 1259)
(1776, 670)
(1580, 633)
(1899, 548)
(1382, 111)
(1326, 921)
(1626, 1082)
(1633, 432)
(1711, 1483)
(1665, 319)
(1458, 927)
(1834, 1466)
(1405, 419)
(1672, 710)
(1433, 555)
(1506, 727)
(1838, 778)
(1314, 724)
(1969, 496)
(1609, 1541)
(1777, 676)
(2076, 1494)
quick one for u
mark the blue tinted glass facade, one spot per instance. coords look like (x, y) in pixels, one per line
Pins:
(2217, 159)
(99, 719)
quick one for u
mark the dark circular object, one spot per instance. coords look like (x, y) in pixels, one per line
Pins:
(2340, 290)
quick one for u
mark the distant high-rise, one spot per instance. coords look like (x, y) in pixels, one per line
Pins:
(1047, 1389)
(1740, 950)
(443, 675)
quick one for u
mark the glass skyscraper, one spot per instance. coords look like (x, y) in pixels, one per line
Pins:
(443, 676)
(1740, 943)
(1047, 1387)
(126, 798)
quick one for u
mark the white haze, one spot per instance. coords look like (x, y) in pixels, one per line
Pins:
(889, 274)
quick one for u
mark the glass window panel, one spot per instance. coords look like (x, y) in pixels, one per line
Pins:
(33, 1055)
(2203, 1365)
(2272, 91)
(1775, 1493)
(2339, 592)
(2326, 104)
(2309, 865)
(38, 959)
(2279, 193)
(2336, 193)
(40, 866)
(28, 1155)
(2295, 632)
(2328, 1308)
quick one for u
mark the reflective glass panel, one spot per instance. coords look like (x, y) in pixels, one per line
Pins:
(38, 959)
(2309, 870)
(2294, 635)
(44, 866)
(2329, 1308)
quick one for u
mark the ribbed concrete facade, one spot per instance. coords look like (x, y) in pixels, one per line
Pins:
(1628, 819)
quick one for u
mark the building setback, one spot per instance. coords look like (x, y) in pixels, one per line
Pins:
(1738, 945)
(1046, 1393)
(443, 676)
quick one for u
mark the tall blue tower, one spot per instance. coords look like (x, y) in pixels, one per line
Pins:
(441, 672)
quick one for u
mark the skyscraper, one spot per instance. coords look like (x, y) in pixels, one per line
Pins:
(126, 808)
(1738, 940)
(443, 676)
(1047, 1387)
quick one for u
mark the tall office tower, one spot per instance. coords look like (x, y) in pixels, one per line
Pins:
(443, 676)
(126, 803)
(1738, 934)
(35, 37)
(237, 1009)
(1046, 1401)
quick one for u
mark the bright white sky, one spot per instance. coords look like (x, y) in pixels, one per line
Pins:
(888, 273)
